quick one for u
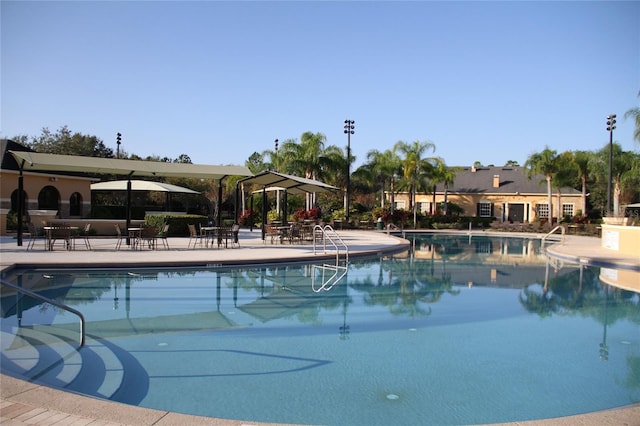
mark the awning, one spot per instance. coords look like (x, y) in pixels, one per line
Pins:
(140, 185)
(30, 161)
(287, 182)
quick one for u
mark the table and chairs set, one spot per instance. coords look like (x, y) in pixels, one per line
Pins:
(294, 233)
(61, 233)
(213, 236)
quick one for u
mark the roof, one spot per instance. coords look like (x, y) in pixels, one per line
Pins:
(472, 180)
(289, 183)
(97, 165)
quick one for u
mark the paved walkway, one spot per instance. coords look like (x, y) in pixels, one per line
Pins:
(24, 403)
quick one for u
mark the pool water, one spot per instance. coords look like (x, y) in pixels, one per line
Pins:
(458, 330)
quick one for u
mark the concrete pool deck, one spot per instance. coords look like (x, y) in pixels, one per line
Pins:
(24, 403)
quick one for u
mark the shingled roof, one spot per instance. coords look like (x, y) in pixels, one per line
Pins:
(480, 180)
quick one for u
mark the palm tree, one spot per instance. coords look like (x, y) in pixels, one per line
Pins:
(544, 163)
(383, 166)
(635, 114)
(582, 160)
(564, 176)
(304, 158)
(447, 176)
(416, 168)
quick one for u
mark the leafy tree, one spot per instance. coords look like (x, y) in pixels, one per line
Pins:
(63, 141)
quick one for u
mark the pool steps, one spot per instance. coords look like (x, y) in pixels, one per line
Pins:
(48, 354)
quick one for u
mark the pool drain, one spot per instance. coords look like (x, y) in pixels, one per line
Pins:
(392, 397)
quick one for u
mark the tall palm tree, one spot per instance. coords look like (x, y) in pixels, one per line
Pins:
(304, 158)
(565, 176)
(447, 176)
(582, 159)
(544, 163)
(416, 168)
(383, 166)
(635, 114)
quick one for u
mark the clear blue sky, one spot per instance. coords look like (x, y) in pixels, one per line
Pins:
(483, 81)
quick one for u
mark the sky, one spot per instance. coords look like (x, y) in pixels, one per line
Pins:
(483, 81)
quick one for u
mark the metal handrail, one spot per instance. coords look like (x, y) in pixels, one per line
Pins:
(52, 302)
(552, 232)
(326, 236)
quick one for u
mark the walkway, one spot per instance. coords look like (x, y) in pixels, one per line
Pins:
(24, 403)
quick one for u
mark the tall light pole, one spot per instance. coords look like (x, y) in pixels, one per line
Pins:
(349, 126)
(118, 141)
(611, 124)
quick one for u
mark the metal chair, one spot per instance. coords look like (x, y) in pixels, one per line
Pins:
(194, 236)
(84, 234)
(119, 236)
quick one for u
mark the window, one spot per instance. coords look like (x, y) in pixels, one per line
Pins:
(484, 209)
(423, 207)
(542, 210)
(567, 210)
(399, 205)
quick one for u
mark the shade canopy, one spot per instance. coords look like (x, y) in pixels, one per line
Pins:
(289, 183)
(295, 191)
(34, 161)
(140, 185)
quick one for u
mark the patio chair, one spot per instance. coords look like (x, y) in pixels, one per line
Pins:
(233, 235)
(149, 236)
(119, 236)
(84, 234)
(194, 236)
(162, 235)
(61, 233)
(35, 235)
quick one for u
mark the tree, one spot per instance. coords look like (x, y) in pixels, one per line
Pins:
(635, 114)
(582, 159)
(544, 163)
(64, 142)
(447, 176)
(416, 169)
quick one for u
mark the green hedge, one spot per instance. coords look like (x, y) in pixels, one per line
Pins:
(177, 223)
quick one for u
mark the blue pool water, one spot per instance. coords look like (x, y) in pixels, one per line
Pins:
(459, 330)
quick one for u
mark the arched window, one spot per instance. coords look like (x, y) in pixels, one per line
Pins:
(49, 198)
(75, 204)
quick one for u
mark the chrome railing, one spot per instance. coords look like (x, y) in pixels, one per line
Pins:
(51, 302)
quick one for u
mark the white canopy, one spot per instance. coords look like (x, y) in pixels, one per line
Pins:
(140, 185)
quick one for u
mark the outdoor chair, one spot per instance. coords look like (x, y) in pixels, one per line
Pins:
(119, 236)
(194, 236)
(162, 235)
(148, 237)
(84, 234)
(233, 235)
(35, 235)
(61, 233)
(271, 232)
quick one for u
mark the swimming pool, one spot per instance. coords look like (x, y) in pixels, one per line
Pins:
(457, 331)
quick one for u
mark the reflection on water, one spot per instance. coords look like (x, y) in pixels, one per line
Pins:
(443, 282)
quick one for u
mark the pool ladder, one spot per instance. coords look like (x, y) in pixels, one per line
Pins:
(328, 236)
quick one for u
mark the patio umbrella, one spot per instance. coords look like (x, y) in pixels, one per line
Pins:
(143, 185)
(140, 185)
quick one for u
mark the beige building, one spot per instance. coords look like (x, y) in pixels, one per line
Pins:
(66, 195)
(504, 193)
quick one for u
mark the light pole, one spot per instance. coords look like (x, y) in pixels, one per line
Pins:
(118, 141)
(349, 126)
(611, 124)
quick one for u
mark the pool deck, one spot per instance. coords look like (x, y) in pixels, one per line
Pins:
(23, 403)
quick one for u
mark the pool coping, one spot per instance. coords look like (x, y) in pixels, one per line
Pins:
(22, 402)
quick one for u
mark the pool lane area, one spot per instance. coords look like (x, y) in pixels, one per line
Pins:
(27, 403)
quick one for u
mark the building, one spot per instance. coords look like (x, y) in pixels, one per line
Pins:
(503, 193)
(58, 194)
